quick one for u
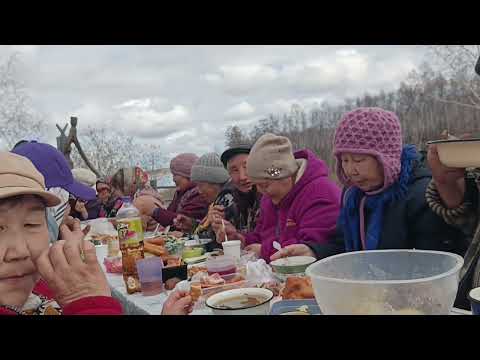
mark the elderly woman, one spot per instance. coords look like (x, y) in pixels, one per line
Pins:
(186, 201)
(300, 205)
(214, 188)
(36, 279)
(59, 180)
(384, 204)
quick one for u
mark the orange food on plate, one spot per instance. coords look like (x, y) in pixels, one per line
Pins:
(297, 288)
(196, 269)
(195, 291)
(154, 249)
(158, 240)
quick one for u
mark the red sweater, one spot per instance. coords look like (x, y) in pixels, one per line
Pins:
(93, 305)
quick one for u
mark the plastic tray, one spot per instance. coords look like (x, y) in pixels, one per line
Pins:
(285, 306)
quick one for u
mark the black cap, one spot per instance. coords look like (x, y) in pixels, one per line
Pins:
(233, 151)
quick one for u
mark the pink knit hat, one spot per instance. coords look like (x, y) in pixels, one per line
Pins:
(371, 131)
(181, 164)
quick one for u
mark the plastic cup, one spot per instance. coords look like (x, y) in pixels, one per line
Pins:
(232, 248)
(150, 275)
(102, 252)
(474, 296)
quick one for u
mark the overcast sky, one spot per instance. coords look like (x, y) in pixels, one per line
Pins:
(184, 97)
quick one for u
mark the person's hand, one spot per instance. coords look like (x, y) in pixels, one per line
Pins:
(230, 230)
(255, 248)
(216, 212)
(69, 222)
(146, 204)
(178, 303)
(293, 250)
(70, 277)
(183, 223)
(450, 182)
(442, 174)
(80, 207)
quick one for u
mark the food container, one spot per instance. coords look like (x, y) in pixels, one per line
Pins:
(292, 265)
(207, 292)
(386, 282)
(180, 272)
(102, 252)
(113, 264)
(460, 153)
(150, 275)
(474, 296)
(263, 297)
(192, 252)
(223, 265)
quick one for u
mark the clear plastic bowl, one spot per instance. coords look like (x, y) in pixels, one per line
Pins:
(384, 282)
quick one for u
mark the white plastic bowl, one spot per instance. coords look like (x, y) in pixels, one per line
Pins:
(464, 153)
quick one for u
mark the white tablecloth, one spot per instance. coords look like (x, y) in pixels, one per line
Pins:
(137, 304)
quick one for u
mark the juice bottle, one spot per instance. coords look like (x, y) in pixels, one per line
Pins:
(130, 237)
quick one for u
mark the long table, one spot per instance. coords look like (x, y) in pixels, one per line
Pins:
(137, 304)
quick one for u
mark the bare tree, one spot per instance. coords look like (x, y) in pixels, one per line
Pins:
(18, 118)
(427, 102)
(458, 61)
(110, 150)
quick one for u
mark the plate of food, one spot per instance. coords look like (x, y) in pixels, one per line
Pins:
(297, 288)
(295, 307)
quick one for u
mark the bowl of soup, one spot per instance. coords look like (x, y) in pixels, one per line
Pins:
(246, 301)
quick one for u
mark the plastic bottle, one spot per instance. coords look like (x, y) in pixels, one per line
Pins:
(130, 236)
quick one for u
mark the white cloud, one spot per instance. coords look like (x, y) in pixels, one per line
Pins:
(240, 79)
(283, 106)
(184, 97)
(152, 117)
(240, 111)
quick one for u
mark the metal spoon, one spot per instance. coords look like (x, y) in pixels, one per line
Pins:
(278, 247)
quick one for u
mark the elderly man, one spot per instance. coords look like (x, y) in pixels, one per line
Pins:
(245, 193)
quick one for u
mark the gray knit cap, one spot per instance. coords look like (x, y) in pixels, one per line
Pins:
(209, 169)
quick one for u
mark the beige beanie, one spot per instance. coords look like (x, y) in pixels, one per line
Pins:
(271, 158)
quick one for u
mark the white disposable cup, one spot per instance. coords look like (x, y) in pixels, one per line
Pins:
(102, 252)
(232, 248)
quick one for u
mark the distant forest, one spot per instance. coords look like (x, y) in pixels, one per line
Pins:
(428, 102)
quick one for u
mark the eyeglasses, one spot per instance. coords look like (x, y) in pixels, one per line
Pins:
(103, 190)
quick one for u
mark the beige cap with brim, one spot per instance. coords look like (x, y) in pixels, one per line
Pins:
(18, 176)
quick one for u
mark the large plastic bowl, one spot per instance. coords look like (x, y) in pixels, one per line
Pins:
(385, 282)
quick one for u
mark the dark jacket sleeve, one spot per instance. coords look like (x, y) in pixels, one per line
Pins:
(334, 246)
(428, 230)
(194, 208)
(93, 209)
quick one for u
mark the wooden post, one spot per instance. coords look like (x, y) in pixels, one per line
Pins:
(64, 144)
